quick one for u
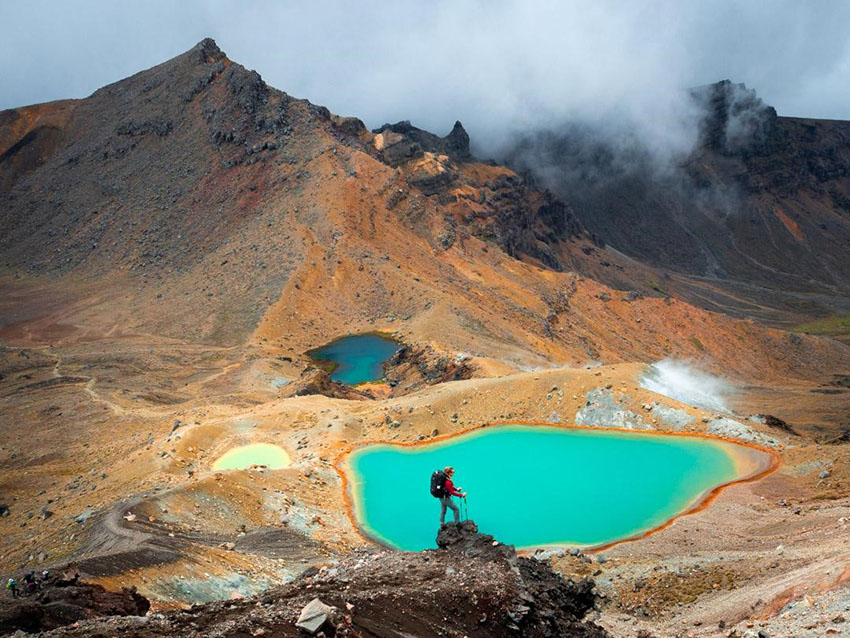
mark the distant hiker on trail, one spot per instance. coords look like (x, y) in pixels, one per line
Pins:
(31, 584)
(12, 586)
(443, 488)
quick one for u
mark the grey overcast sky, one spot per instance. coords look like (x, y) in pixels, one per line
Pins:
(495, 65)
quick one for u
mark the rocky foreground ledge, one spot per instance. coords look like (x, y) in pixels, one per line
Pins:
(471, 586)
(63, 601)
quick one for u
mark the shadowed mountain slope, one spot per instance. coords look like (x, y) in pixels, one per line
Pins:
(761, 205)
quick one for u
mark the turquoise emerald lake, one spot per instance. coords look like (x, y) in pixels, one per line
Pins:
(533, 486)
(358, 358)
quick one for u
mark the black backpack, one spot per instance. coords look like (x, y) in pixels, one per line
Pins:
(438, 484)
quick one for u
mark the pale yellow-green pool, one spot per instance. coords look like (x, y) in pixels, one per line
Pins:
(241, 458)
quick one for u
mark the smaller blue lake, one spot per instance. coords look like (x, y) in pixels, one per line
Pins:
(357, 358)
(533, 486)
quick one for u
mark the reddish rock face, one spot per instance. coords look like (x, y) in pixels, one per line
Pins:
(413, 367)
(316, 381)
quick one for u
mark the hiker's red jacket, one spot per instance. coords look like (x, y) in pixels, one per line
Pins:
(450, 488)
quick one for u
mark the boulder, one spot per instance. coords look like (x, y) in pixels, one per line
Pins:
(82, 518)
(314, 615)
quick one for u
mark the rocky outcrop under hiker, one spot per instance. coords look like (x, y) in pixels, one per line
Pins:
(471, 586)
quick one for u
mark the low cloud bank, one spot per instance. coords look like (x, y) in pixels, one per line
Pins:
(500, 67)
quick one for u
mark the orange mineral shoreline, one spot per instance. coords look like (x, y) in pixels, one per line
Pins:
(751, 466)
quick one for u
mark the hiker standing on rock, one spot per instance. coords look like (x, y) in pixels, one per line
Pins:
(443, 488)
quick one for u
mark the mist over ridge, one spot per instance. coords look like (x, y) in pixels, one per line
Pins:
(501, 68)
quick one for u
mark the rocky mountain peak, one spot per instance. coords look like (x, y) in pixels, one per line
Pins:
(458, 142)
(184, 77)
(736, 120)
(208, 51)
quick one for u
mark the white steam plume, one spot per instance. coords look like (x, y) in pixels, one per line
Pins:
(685, 383)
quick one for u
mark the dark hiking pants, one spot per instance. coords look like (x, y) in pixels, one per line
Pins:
(446, 501)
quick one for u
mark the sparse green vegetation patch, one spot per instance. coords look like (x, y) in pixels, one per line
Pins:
(656, 286)
(835, 325)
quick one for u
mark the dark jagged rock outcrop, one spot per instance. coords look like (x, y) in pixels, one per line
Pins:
(498, 206)
(63, 602)
(472, 586)
(736, 121)
(464, 538)
(318, 381)
(777, 423)
(412, 367)
(530, 222)
(548, 605)
(405, 142)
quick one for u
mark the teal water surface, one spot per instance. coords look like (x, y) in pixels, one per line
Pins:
(533, 486)
(358, 358)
